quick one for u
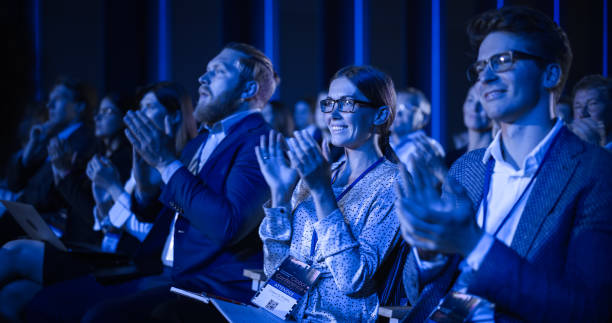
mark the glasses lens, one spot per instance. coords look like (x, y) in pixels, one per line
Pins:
(347, 105)
(327, 105)
(501, 62)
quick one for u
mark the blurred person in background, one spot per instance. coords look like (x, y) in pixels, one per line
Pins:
(279, 117)
(592, 106)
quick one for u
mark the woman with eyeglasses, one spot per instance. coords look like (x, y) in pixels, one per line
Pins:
(339, 218)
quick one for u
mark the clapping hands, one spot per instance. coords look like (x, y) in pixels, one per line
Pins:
(275, 167)
(281, 173)
(427, 220)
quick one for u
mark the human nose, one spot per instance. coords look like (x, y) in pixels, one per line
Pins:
(583, 112)
(204, 78)
(487, 74)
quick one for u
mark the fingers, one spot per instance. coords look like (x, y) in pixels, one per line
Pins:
(279, 145)
(146, 123)
(168, 126)
(263, 147)
(138, 128)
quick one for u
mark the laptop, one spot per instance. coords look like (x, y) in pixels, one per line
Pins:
(32, 223)
(36, 228)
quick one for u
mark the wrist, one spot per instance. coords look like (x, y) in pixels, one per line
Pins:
(279, 198)
(115, 191)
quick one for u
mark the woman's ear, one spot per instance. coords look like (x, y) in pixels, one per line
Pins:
(552, 75)
(382, 115)
(250, 90)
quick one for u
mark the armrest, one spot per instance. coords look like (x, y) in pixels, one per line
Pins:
(257, 276)
(393, 313)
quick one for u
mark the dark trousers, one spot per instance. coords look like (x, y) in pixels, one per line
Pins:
(68, 301)
(153, 305)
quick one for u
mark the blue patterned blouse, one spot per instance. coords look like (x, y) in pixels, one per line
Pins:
(352, 243)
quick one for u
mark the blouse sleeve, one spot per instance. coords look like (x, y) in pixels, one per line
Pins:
(353, 260)
(275, 232)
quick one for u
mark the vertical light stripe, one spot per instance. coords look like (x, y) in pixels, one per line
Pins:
(37, 51)
(500, 4)
(604, 64)
(556, 12)
(359, 32)
(271, 36)
(269, 26)
(436, 82)
(163, 42)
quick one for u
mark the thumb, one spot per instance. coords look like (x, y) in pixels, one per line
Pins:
(167, 125)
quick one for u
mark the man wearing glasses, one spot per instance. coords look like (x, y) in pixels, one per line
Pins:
(523, 228)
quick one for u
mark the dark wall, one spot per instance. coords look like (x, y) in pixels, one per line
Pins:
(114, 44)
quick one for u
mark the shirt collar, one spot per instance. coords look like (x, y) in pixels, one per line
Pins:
(64, 134)
(533, 159)
(224, 125)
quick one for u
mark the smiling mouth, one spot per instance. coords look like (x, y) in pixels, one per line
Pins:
(492, 95)
(337, 128)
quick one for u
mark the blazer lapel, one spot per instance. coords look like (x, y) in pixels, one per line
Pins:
(234, 133)
(549, 185)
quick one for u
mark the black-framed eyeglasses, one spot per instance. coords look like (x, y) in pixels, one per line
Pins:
(345, 104)
(498, 63)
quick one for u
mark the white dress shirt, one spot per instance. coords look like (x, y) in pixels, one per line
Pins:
(506, 186)
(216, 134)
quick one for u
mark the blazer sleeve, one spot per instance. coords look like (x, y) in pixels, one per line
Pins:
(581, 292)
(222, 216)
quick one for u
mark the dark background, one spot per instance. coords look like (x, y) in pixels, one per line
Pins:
(119, 45)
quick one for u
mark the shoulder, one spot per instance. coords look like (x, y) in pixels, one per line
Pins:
(469, 162)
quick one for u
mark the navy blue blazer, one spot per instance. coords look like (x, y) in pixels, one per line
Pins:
(558, 267)
(220, 210)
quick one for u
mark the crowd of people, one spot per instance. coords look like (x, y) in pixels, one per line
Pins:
(510, 223)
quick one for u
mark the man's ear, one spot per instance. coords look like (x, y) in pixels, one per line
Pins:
(250, 90)
(552, 75)
(382, 115)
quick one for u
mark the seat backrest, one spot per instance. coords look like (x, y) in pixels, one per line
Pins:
(389, 277)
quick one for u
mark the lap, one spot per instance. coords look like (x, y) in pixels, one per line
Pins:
(69, 300)
(153, 305)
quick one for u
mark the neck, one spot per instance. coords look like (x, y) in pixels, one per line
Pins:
(359, 159)
(479, 139)
(518, 140)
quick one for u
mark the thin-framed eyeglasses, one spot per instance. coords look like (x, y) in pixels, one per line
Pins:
(345, 104)
(498, 63)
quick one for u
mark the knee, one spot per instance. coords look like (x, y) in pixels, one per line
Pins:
(15, 296)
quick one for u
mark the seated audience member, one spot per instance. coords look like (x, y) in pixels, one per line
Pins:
(523, 230)
(279, 117)
(413, 114)
(161, 102)
(27, 264)
(593, 110)
(214, 192)
(340, 218)
(304, 117)
(31, 175)
(479, 132)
